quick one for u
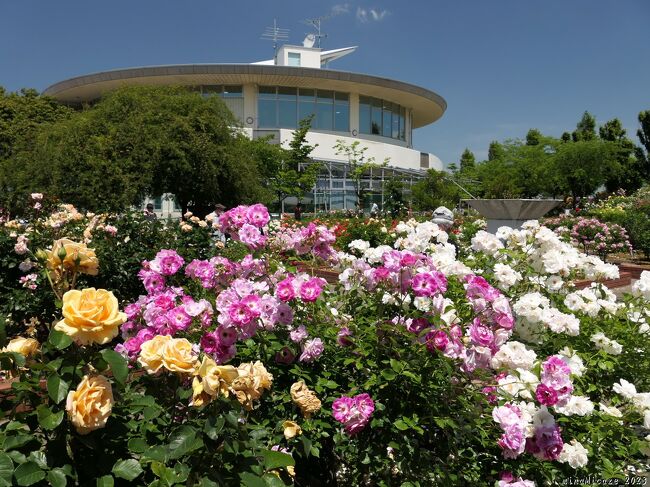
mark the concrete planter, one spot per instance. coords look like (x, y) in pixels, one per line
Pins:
(511, 213)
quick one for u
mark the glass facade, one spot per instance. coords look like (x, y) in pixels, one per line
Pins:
(232, 96)
(284, 107)
(381, 117)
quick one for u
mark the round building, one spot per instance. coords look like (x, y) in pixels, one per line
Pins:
(271, 97)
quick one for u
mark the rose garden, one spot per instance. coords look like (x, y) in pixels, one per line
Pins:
(143, 353)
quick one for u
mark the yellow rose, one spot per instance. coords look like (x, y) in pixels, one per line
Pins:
(90, 405)
(90, 316)
(74, 256)
(252, 379)
(305, 399)
(150, 353)
(177, 356)
(211, 380)
(216, 378)
(23, 346)
(291, 429)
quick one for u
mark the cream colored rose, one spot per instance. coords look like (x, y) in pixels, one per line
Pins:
(216, 378)
(177, 356)
(211, 380)
(23, 346)
(291, 429)
(90, 405)
(305, 399)
(90, 316)
(150, 357)
(74, 256)
(253, 379)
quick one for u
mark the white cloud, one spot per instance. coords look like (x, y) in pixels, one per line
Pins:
(366, 15)
(340, 8)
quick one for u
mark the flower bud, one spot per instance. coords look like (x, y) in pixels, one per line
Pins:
(61, 253)
(41, 255)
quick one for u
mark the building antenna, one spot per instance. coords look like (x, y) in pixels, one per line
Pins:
(316, 24)
(275, 34)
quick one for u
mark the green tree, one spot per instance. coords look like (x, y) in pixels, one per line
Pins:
(581, 167)
(533, 137)
(585, 129)
(394, 196)
(21, 115)
(630, 172)
(435, 190)
(495, 151)
(296, 173)
(358, 164)
(467, 161)
(643, 153)
(141, 141)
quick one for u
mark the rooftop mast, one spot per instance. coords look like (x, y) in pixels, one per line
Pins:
(275, 34)
(316, 23)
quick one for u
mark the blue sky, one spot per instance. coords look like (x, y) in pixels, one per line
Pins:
(503, 66)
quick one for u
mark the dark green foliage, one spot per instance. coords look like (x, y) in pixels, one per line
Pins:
(434, 191)
(585, 129)
(140, 141)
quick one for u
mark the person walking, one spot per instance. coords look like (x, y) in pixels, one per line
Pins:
(149, 214)
(297, 212)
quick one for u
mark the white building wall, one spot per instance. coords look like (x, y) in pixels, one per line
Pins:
(399, 156)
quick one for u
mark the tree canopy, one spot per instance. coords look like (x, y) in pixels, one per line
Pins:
(139, 141)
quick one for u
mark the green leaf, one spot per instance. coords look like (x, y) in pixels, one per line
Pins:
(39, 458)
(16, 441)
(57, 388)
(127, 469)
(138, 445)
(205, 482)
(272, 480)
(388, 374)
(156, 453)
(59, 339)
(106, 481)
(6, 468)
(275, 459)
(213, 427)
(56, 478)
(118, 364)
(250, 480)
(28, 474)
(183, 441)
(401, 425)
(47, 418)
(396, 365)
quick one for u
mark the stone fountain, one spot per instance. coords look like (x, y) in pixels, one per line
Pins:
(511, 213)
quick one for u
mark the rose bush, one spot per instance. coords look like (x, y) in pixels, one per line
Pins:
(433, 361)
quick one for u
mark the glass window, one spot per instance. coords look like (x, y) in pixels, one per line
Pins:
(307, 104)
(342, 117)
(287, 113)
(294, 59)
(267, 113)
(232, 91)
(157, 203)
(381, 117)
(267, 91)
(375, 117)
(387, 119)
(324, 116)
(364, 115)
